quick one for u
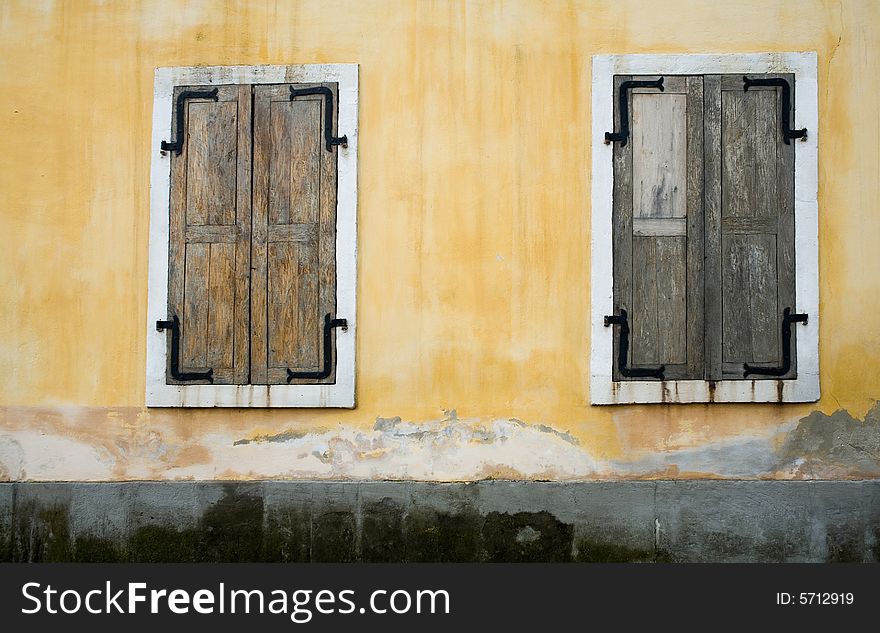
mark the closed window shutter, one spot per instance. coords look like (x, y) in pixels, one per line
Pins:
(658, 228)
(294, 239)
(749, 227)
(210, 224)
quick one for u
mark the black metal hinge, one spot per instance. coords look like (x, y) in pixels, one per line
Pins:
(779, 82)
(623, 96)
(329, 324)
(174, 326)
(328, 113)
(787, 319)
(623, 351)
(182, 98)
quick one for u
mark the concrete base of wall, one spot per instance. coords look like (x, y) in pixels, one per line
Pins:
(644, 521)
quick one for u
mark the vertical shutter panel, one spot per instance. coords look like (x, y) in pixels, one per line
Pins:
(751, 226)
(658, 227)
(294, 246)
(210, 223)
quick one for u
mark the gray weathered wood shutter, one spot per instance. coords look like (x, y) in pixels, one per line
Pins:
(658, 227)
(711, 286)
(750, 255)
(209, 235)
(294, 235)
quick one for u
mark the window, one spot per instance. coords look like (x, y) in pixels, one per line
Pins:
(704, 204)
(252, 243)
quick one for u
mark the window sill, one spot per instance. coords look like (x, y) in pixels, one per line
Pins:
(340, 395)
(605, 391)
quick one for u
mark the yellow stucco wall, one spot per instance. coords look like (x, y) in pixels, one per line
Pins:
(473, 234)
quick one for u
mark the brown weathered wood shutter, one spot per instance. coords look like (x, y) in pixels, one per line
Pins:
(209, 237)
(750, 259)
(658, 228)
(294, 235)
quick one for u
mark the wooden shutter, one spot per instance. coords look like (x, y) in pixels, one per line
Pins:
(209, 240)
(294, 241)
(658, 227)
(749, 227)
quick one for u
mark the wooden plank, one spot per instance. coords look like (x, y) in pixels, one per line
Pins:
(749, 134)
(644, 329)
(262, 152)
(672, 84)
(712, 211)
(293, 328)
(221, 306)
(194, 322)
(241, 326)
(765, 158)
(751, 319)
(659, 139)
(738, 160)
(695, 255)
(302, 232)
(212, 154)
(735, 83)
(307, 125)
(748, 225)
(209, 234)
(660, 227)
(279, 164)
(672, 317)
(659, 313)
(764, 314)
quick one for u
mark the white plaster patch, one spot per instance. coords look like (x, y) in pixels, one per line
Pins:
(32, 454)
(451, 450)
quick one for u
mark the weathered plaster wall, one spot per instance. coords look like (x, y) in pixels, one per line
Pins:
(473, 243)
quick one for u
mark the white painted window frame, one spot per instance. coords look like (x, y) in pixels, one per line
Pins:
(341, 394)
(805, 388)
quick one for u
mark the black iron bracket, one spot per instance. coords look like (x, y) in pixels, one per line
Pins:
(787, 319)
(623, 351)
(329, 324)
(174, 326)
(328, 113)
(623, 96)
(779, 82)
(182, 98)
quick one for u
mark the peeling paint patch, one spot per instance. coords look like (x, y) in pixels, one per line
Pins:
(818, 446)
(284, 436)
(31, 454)
(449, 449)
(835, 446)
(57, 445)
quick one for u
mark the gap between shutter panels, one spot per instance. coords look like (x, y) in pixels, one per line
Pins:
(628, 231)
(207, 234)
